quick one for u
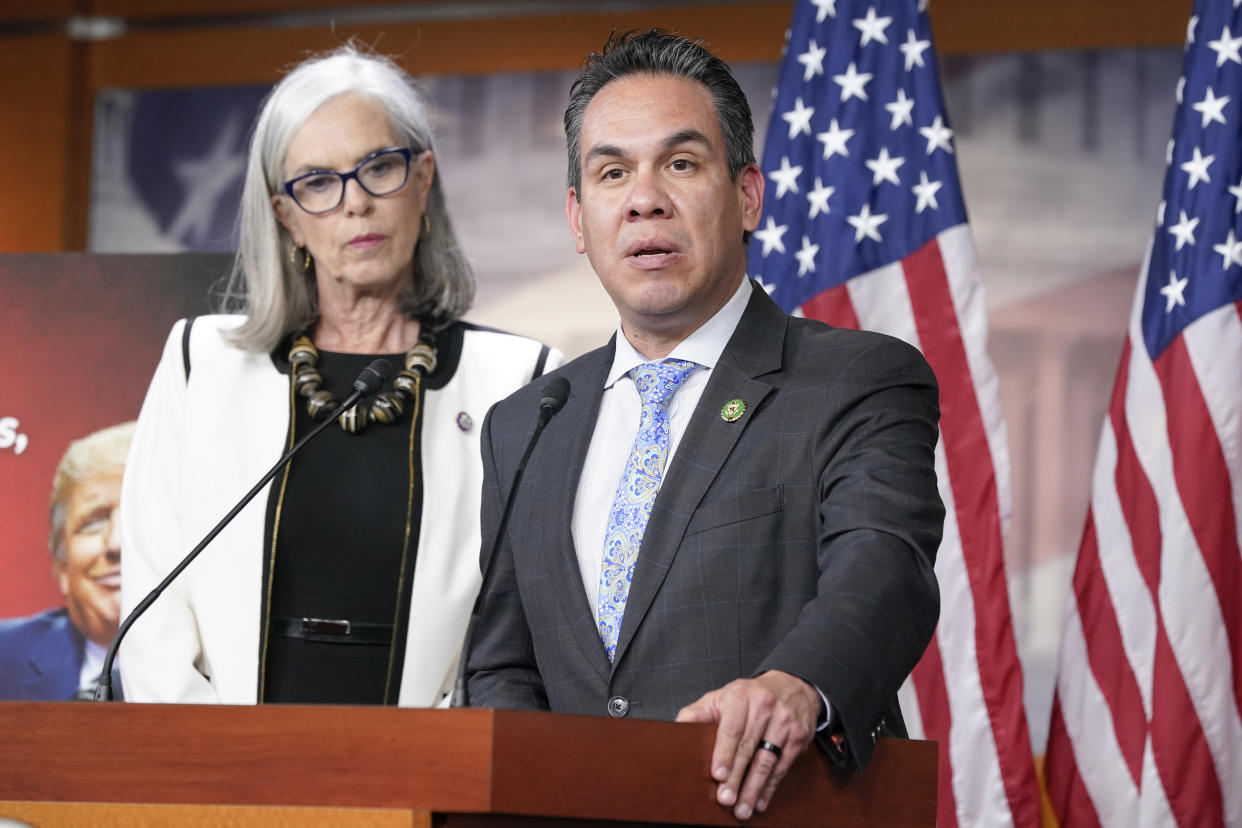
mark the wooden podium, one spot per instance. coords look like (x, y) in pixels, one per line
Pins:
(78, 763)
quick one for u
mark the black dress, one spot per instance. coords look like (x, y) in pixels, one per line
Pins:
(341, 545)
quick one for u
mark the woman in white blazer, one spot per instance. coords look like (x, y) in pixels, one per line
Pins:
(350, 580)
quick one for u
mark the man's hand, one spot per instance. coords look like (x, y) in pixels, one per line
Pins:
(774, 707)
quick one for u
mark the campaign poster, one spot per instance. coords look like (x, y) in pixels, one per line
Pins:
(80, 336)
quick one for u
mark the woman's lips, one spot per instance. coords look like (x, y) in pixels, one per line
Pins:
(111, 580)
(366, 242)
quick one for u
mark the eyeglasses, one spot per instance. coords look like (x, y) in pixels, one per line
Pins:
(380, 173)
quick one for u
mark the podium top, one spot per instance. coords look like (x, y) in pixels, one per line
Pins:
(447, 761)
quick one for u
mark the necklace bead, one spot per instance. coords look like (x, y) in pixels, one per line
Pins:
(387, 408)
(355, 419)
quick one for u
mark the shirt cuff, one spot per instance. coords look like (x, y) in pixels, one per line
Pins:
(825, 712)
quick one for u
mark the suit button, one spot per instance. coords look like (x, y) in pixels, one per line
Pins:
(618, 707)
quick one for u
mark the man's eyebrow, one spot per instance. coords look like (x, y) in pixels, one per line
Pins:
(602, 151)
(684, 136)
(97, 511)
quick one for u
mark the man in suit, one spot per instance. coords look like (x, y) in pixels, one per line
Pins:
(57, 654)
(734, 517)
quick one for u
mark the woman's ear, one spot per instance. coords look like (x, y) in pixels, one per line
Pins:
(423, 168)
(288, 218)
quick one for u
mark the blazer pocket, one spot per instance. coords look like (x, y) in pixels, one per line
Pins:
(736, 508)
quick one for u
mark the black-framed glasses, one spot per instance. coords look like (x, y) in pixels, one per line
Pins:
(381, 173)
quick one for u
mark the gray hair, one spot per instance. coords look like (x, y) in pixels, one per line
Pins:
(658, 52)
(100, 454)
(277, 296)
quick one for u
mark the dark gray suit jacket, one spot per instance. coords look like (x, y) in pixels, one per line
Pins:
(800, 537)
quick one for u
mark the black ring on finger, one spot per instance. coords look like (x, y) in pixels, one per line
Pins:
(775, 750)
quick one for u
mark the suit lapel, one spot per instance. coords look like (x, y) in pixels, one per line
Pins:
(754, 349)
(568, 459)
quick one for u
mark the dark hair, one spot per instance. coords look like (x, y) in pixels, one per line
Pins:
(658, 52)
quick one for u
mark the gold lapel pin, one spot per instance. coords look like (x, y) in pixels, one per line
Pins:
(733, 410)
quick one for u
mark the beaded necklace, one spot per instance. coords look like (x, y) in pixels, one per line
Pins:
(387, 407)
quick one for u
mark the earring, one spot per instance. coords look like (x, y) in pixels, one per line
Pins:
(293, 252)
(426, 225)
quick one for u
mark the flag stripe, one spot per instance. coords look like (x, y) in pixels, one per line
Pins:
(1065, 787)
(908, 698)
(967, 747)
(882, 303)
(1122, 533)
(1107, 655)
(1221, 333)
(1153, 805)
(966, 288)
(1092, 748)
(971, 474)
(1134, 491)
(928, 678)
(834, 307)
(1182, 754)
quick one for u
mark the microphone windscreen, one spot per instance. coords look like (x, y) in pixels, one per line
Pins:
(373, 377)
(555, 393)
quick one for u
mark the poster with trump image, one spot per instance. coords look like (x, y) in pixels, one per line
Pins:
(80, 336)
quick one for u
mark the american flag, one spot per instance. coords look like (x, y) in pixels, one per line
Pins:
(864, 227)
(1145, 723)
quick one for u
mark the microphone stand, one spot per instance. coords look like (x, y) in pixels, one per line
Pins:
(555, 394)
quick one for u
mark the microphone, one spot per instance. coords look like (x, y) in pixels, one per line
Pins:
(369, 381)
(373, 378)
(555, 393)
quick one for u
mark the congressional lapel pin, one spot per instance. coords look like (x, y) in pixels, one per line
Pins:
(464, 421)
(733, 410)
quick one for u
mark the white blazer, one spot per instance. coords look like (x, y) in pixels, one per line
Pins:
(202, 443)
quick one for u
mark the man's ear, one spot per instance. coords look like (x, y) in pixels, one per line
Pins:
(573, 212)
(280, 206)
(750, 191)
(61, 574)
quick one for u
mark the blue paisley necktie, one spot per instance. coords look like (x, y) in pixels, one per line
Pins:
(636, 493)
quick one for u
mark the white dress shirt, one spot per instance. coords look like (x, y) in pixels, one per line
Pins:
(92, 663)
(617, 426)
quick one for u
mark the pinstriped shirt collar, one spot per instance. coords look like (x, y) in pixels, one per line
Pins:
(704, 346)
